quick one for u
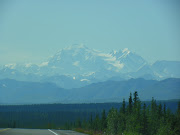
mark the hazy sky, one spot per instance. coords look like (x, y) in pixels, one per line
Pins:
(33, 30)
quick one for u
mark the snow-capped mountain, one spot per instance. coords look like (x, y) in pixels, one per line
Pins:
(80, 66)
(78, 59)
(165, 69)
(131, 61)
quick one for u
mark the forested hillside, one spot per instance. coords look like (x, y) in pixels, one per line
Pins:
(135, 118)
(132, 116)
(19, 92)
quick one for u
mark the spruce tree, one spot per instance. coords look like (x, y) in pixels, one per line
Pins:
(177, 120)
(112, 122)
(160, 111)
(136, 113)
(122, 118)
(124, 107)
(135, 99)
(144, 129)
(153, 118)
(103, 121)
(91, 122)
(164, 113)
(130, 106)
(96, 123)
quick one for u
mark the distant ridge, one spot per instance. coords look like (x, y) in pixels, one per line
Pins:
(19, 92)
(77, 66)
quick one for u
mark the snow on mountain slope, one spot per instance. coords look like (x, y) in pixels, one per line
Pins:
(131, 61)
(78, 59)
(81, 65)
(166, 69)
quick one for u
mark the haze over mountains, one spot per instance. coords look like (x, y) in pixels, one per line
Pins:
(18, 92)
(77, 74)
(78, 65)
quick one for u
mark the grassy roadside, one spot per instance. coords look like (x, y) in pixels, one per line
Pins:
(89, 132)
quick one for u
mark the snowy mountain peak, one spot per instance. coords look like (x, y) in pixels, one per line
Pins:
(10, 66)
(76, 46)
(131, 61)
(43, 64)
(121, 52)
(79, 59)
(114, 52)
(82, 65)
(126, 50)
(27, 65)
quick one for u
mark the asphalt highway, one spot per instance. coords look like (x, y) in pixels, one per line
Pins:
(11, 131)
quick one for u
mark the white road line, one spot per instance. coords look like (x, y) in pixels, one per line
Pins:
(52, 132)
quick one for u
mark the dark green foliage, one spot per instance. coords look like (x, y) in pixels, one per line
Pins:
(14, 124)
(176, 124)
(135, 99)
(122, 118)
(112, 121)
(130, 104)
(123, 109)
(144, 129)
(129, 118)
(103, 121)
(78, 123)
(96, 123)
(139, 119)
(45, 115)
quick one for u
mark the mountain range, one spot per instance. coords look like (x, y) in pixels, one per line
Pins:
(78, 74)
(77, 66)
(19, 92)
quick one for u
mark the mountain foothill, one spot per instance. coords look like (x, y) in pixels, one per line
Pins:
(79, 74)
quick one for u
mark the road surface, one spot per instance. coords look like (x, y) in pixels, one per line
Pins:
(11, 131)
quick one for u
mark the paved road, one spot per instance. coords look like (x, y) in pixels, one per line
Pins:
(12, 131)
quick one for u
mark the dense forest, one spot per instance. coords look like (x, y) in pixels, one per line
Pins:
(129, 117)
(135, 118)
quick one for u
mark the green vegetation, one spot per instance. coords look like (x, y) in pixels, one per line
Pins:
(51, 115)
(127, 118)
(135, 118)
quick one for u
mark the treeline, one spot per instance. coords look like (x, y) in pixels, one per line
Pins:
(49, 115)
(40, 119)
(134, 118)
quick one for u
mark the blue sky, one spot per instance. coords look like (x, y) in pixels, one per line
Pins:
(33, 30)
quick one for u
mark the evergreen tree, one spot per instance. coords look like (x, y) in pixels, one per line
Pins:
(144, 129)
(14, 124)
(123, 106)
(84, 124)
(96, 124)
(164, 113)
(176, 124)
(112, 122)
(160, 111)
(178, 109)
(136, 113)
(122, 118)
(178, 119)
(130, 106)
(135, 99)
(103, 121)
(153, 118)
(91, 122)
(78, 123)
